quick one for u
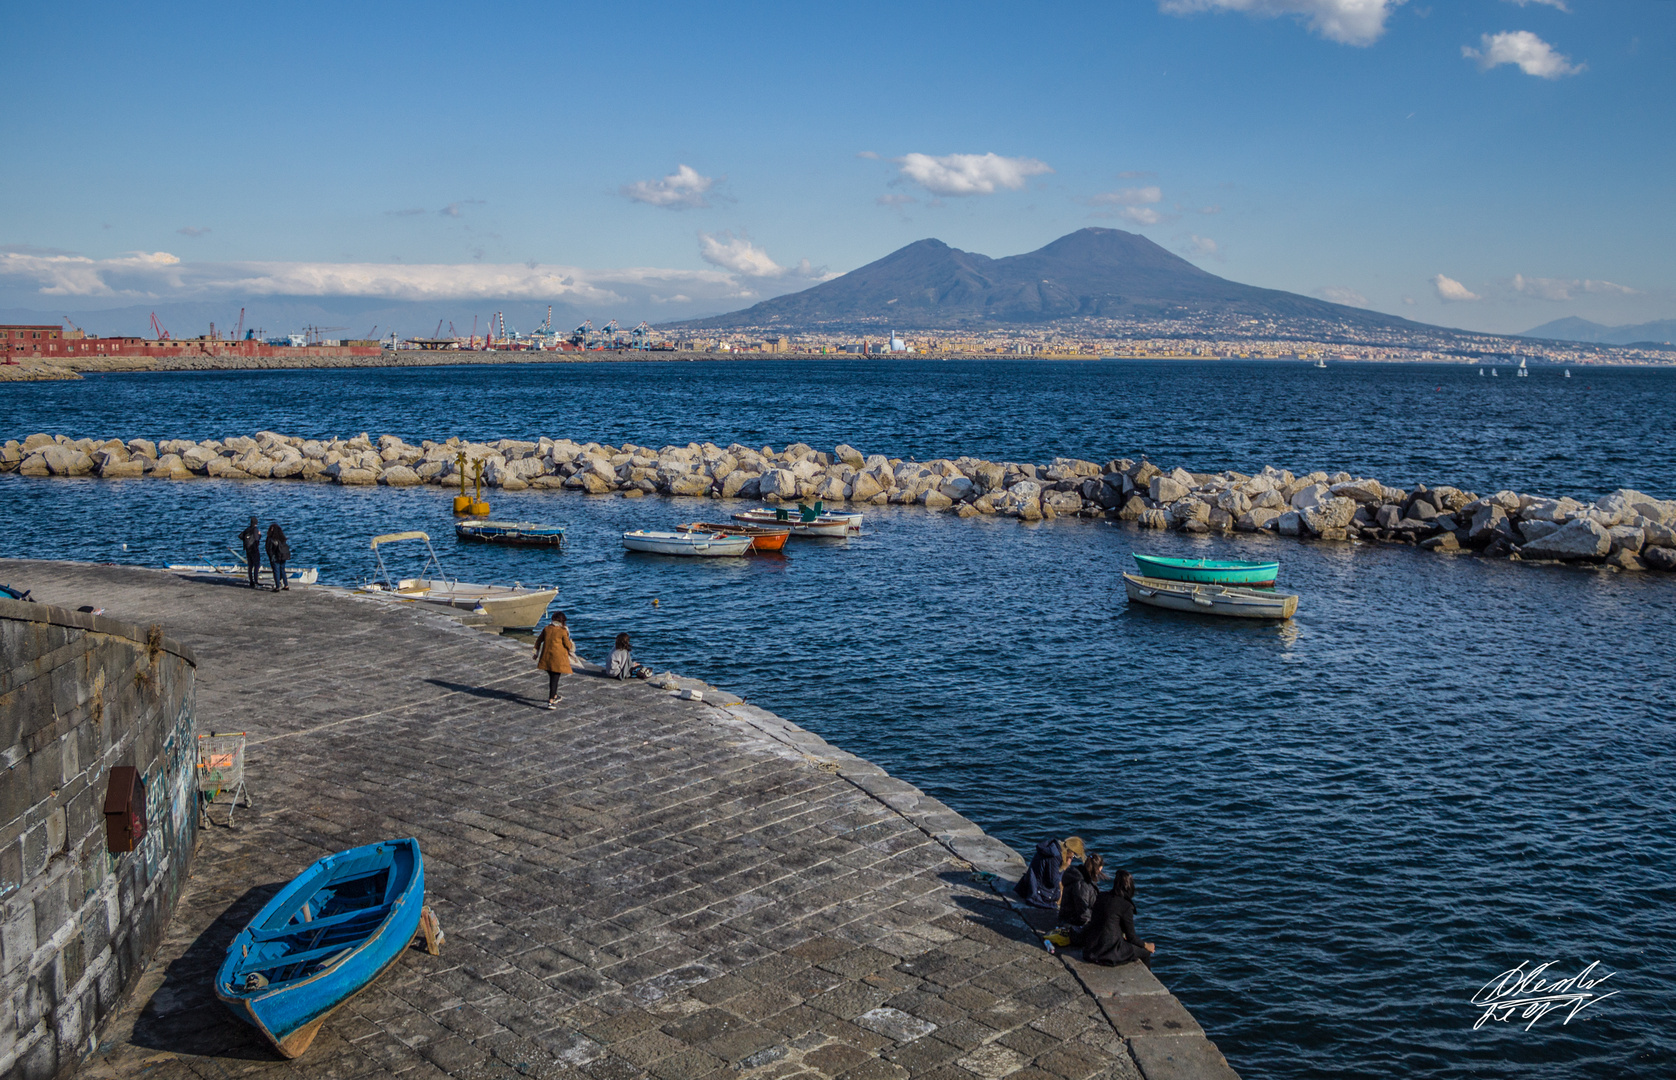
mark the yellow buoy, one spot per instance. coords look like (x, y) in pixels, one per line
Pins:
(462, 504)
(479, 509)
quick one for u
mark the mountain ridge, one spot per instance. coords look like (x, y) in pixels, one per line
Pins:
(1572, 328)
(1090, 273)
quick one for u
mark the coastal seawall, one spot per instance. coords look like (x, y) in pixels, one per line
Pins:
(84, 903)
(1625, 529)
(638, 883)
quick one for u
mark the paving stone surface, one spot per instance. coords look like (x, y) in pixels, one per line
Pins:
(632, 885)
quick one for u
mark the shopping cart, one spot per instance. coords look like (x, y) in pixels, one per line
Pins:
(221, 769)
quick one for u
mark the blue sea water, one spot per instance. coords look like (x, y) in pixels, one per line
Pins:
(1341, 828)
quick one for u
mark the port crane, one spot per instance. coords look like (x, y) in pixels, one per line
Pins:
(316, 331)
(157, 328)
(579, 336)
(238, 331)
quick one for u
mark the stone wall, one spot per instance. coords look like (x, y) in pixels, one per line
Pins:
(79, 694)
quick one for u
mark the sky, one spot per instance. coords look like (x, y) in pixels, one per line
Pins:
(1485, 164)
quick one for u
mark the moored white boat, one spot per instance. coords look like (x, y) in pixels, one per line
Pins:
(823, 526)
(306, 576)
(509, 607)
(712, 545)
(1210, 599)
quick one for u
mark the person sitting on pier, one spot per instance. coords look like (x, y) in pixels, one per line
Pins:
(1109, 938)
(1081, 891)
(251, 538)
(622, 665)
(279, 553)
(553, 649)
(1040, 885)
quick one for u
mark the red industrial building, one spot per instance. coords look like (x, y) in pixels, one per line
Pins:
(53, 342)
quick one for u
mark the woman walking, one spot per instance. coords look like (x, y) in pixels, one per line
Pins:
(552, 655)
(279, 553)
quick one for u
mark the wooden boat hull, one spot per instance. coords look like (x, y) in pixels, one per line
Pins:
(762, 537)
(515, 533)
(1207, 571)
(507, 608)
(289, 1009)
(824, 528)
(695, 544)
(1208, 599)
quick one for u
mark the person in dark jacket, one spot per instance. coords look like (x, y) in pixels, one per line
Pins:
(1110, 937)
(251, 538)
(1039, 887)
(279, 553)
(1080, 891)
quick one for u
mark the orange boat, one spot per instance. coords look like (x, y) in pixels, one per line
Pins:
(762, 539)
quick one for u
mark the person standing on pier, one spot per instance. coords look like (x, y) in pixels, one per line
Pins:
(279, 553)
(251, 538)
(1040, 885)
(553, 649)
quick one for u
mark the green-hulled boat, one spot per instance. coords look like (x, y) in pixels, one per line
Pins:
(1208, 571)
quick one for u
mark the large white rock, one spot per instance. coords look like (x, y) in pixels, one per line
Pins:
(780, 483)
(1627, 538)
(1062, 502)
(399, 476)
(957, 489)
(1362, 491)
(1256, 519)
(1167, 489)
(1583, 538)
(1312, 495)
(1331, 513)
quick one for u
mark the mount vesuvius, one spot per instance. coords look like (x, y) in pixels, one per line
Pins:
(1091, 273)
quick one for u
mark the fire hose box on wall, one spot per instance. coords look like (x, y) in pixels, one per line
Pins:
(124, 809)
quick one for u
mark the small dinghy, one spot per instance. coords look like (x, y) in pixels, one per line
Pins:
(763, 537)
(507, 606)
(326, 937)
(1207, 571)
(806, 525)
(307, 576)
(1209, 599)
(516, 533)
(712, 545)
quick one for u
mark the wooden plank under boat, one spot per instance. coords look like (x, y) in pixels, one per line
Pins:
(1207, 571)
(763, 537)
(1210, 599)
(323, 939)
(710, 545)
(517, 533)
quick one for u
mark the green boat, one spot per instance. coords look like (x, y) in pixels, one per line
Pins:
(1208, 571)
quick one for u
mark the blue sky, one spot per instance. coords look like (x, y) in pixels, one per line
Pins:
(1488, 164)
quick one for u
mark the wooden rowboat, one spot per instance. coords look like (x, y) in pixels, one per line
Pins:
(824, 527)
(763, 538)
(712, 545)
(326, 937)
(1207, 571)
(518, 533)
(1210, 599)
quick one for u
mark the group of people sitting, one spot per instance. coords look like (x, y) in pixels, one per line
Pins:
(1101, 924)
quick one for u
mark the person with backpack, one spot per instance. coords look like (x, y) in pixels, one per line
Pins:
(251, 538)
(279, 553)
(1040, 885)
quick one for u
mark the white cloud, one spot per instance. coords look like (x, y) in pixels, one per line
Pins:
(867, 155)
(1200, 247)
(1140, 215)
(192, 231)
(1566, 288)
(1348, 22)
(1558, 4)
(1451, 291)
(1532, 55)
(969, 174)
(738, 254)
(1339, 294)
(145, 276)
(681, 189)
(455, 209)
(895, 199)
(1129, 197)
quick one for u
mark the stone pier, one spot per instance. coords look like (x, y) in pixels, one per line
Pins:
(632, 885)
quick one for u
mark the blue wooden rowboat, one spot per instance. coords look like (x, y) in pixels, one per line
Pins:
(1207, 571)
(327, 935)
(520, 533)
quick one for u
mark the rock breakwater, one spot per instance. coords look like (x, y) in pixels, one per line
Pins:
(1626, 529)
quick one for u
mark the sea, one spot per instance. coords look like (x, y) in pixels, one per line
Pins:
(1343, 829)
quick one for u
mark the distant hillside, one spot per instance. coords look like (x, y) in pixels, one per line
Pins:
(1662, 331)
(1092, 272)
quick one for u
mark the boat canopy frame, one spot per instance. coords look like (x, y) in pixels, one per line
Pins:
(431, 558)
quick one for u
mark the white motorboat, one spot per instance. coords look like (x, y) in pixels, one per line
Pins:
(509, 607)
(713, 545)
(1210, 599)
